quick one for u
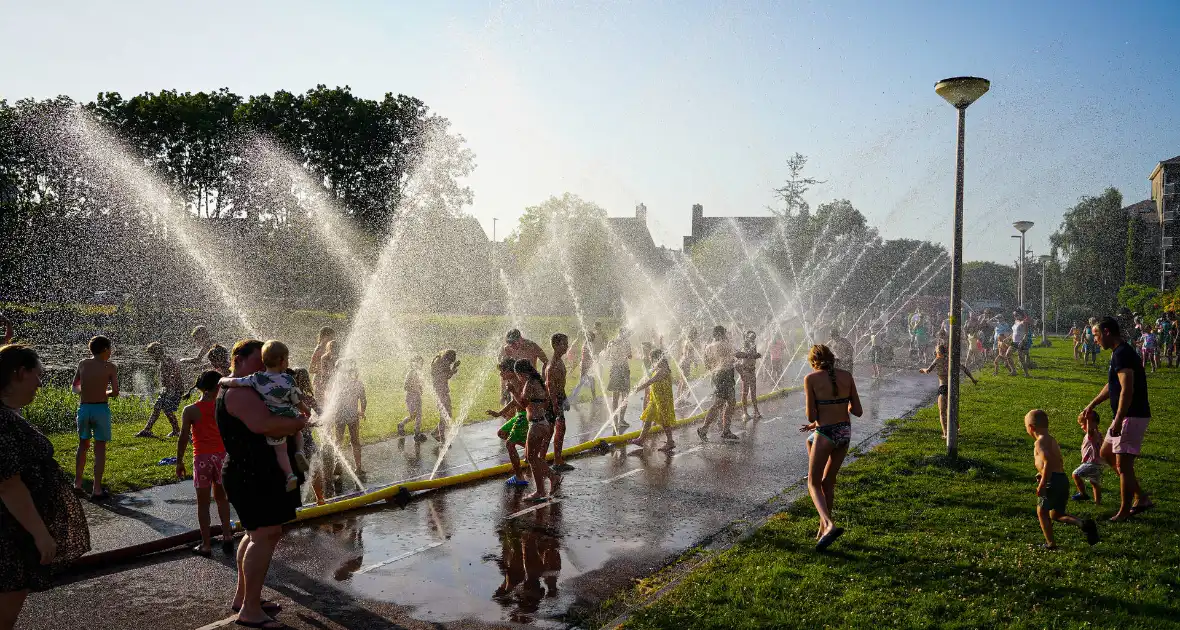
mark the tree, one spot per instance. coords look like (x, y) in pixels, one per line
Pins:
(1087, 234)
(791, 193)
(985, 281)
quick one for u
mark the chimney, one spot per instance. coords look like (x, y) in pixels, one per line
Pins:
(641, 213)
(698, 212)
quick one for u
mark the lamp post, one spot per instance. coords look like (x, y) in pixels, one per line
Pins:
(960, 92)
(494, 229)
(1023, 226)
(1044, 266)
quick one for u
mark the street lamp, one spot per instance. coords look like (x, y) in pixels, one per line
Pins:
(1023, 226)
(1045, 258)
(960, 92)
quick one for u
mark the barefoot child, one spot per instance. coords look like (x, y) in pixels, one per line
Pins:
(96, 380)
(326, 335)
(555, 385)
(1052, 484)
(171, 390)
(443, 368)
(942, 364)
(748, 370)
(413, 387)
(515, 431)
(198, 421)
(283, 398)
(661, 406)
(1091, 468)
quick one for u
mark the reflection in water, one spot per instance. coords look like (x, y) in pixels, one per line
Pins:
(348, 533)
(530, 559)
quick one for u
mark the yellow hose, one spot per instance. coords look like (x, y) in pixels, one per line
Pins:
(388, 492)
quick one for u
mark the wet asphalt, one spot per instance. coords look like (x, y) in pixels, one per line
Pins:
(476, 555)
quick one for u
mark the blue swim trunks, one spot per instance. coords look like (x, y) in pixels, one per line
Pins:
(94, 422)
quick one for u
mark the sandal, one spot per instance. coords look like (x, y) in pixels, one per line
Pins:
(1139, 509)
(829, 538)
(268, 607)
(204, 553)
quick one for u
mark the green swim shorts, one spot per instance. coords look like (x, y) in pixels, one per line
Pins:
(517, 428)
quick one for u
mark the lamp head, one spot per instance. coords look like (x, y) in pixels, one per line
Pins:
(1022, 226)
(962, 91)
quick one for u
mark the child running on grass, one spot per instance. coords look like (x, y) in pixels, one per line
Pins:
(514, 432)
(1150, 342)
(171, 390)
(283, 398)
(413, 387)
(198, 421)
(96, 381)
(661, 405)
(1075, 333)
(942, 364)
(1052, 484)
(1091, 468)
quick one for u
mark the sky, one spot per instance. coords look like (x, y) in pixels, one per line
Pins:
(676, 103)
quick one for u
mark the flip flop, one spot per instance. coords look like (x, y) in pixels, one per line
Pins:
(268, 624)
(829, 538)
(1139, 509)
(204, 553)
(268, 607)
(537, 499)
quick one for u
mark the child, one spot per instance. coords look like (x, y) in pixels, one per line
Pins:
(199, 421)
(326, 336)
(96, 380)
(302, 379)
(661, 407)
(778, 348)
(171, 390)
(1150, 341)
(874, 354)
(413, 387)
(515, 431)
(283, 398)
(1052, 484)
(1091, 468)
(1076, 334)
(350, 410)
(443, 368)
(942, 364)
(747, 369)
(585, 371)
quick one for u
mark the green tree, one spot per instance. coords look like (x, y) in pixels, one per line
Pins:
(1083, 243)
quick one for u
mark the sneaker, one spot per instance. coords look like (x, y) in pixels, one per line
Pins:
(1080, 496)
(703, 434)
(1090, 529)
(729, 435)
(514, 481)
(301, 461)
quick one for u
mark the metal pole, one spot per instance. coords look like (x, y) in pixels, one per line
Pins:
(952, 403)
(1044, 338)
(1020, 274)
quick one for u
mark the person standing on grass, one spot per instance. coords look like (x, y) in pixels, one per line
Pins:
(1021, 339)
(171, 390)
(941, 366)
(830, 398)
(95, 382)
(41, 520)
(254, 483)
(1091, 467)
(199, 420)
(1126, 389)
(1052, 484)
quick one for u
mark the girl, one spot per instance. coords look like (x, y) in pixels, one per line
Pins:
(351, 410)
(413, 388)
(326, 335)
(661, 407)
(1150, 341)
(443, 368)
(747, 369)
(198, 421)
(534, 398)
(1076, 334)
(303, 381)
(942, 364)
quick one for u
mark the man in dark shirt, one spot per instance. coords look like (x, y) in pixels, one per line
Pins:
(1126, 388)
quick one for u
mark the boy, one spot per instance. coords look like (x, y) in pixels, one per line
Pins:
(413, 387)
(942, 364)
(96, 381)
(1052, 484)
(171, 390)
(283, 398)
(555, 385)
(515, 431)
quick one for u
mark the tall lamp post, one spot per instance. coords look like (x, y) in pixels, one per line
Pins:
(1045, 258)
(960, 92)
(1023, 226)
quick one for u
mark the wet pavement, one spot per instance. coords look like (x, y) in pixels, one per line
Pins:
(475, 555)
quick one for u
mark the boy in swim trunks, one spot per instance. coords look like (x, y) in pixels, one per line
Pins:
(719, 357)
(942, 364)
(555, 385)
(413, 387)
(278, 390)
(171, 390)
(96, 381)
(514, 432)
(1052, 484)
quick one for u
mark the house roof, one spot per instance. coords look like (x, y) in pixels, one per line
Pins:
(1145, 207)
(1155, 171)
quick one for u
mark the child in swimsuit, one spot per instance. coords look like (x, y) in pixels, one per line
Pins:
(1150, 341)
(1091, 468)
(661, 407)
(1052, 484)
(413, 388)
(515, 431)
(942, 364)
(283, 398)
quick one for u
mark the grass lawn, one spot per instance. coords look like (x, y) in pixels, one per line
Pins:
(931, 544)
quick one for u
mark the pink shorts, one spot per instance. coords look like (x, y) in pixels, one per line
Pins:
(1130, 440)
(207, 469)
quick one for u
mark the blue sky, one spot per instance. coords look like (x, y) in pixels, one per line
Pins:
(676, 103)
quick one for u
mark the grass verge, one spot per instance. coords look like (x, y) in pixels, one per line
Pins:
(931, 543)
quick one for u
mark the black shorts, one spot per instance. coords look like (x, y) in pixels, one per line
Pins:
(620, 379)
(942, 390)
(724, 386)
(260, 503)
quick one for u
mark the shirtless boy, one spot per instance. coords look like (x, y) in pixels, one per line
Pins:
(171, 390)
(555, 385)
(96, 381)
(1052, 482)
(516, 347)
(719, 357)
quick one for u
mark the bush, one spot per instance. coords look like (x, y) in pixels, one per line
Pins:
(55, 410)
(1141, 298)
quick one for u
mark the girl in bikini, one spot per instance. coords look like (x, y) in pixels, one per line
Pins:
(535, 400)
(941, 364)
(830, 396)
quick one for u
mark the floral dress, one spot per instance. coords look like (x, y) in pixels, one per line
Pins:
(25, 451)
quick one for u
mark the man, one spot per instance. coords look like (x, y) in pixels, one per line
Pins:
(1021, 339)
(842, 348)
(719, 361)
(1126, 388)
(254, 483)
(516, 347)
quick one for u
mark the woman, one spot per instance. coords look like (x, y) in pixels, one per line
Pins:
(534, 398)
(41, 521)
(830, 397)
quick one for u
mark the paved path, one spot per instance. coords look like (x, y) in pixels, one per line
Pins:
(475, 556)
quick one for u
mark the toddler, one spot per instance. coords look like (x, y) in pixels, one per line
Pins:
(413, 387)
(281, 395)
(1091, 468)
